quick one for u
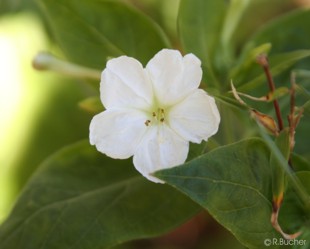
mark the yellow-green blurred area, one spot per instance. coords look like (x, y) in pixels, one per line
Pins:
(38, 109)
(20, 98)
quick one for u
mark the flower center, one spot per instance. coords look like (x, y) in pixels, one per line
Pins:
(157, 116)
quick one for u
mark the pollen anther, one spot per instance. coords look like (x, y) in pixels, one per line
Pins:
(147, 122)
(159, 115)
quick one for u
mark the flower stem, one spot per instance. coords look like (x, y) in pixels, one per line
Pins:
(263, 61)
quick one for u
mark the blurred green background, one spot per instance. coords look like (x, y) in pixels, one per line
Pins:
(39, 109)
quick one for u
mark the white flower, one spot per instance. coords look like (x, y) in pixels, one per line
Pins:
(152, 113)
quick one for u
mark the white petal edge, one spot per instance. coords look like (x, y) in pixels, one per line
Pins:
(196, 118)
(160, 148)
(173, 76)
(124, 83)
(117, 133)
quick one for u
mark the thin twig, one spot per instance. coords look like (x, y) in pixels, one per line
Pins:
(263, 61)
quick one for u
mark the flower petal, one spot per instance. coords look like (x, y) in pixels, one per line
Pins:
(160, 148)
(117, 133)
(124, 83)
(196, 118)
(173, 76)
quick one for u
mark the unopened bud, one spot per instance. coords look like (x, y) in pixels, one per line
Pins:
(268, 122)
(46, 61)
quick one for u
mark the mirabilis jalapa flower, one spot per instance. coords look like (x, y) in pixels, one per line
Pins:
(153, 113)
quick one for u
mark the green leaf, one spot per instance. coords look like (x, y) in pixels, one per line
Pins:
(302, 73)
(306, 107)
(256, 16)
(233, 17)
(299, 163)
(278, 174)
(199, 24)
(278, 64)
(296, 35)
(234, 184)
(91, 31)
(230, 26)
(293, 216)
(304, 177)
(81, 199)
(294, 181)
(288, 47)
(248, 60)
(302, 135)
(303, 240)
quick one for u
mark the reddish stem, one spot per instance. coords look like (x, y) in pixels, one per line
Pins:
(263, 61)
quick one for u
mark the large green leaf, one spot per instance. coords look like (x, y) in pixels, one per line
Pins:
(91, 31)
(81, 199)
(234, 184)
